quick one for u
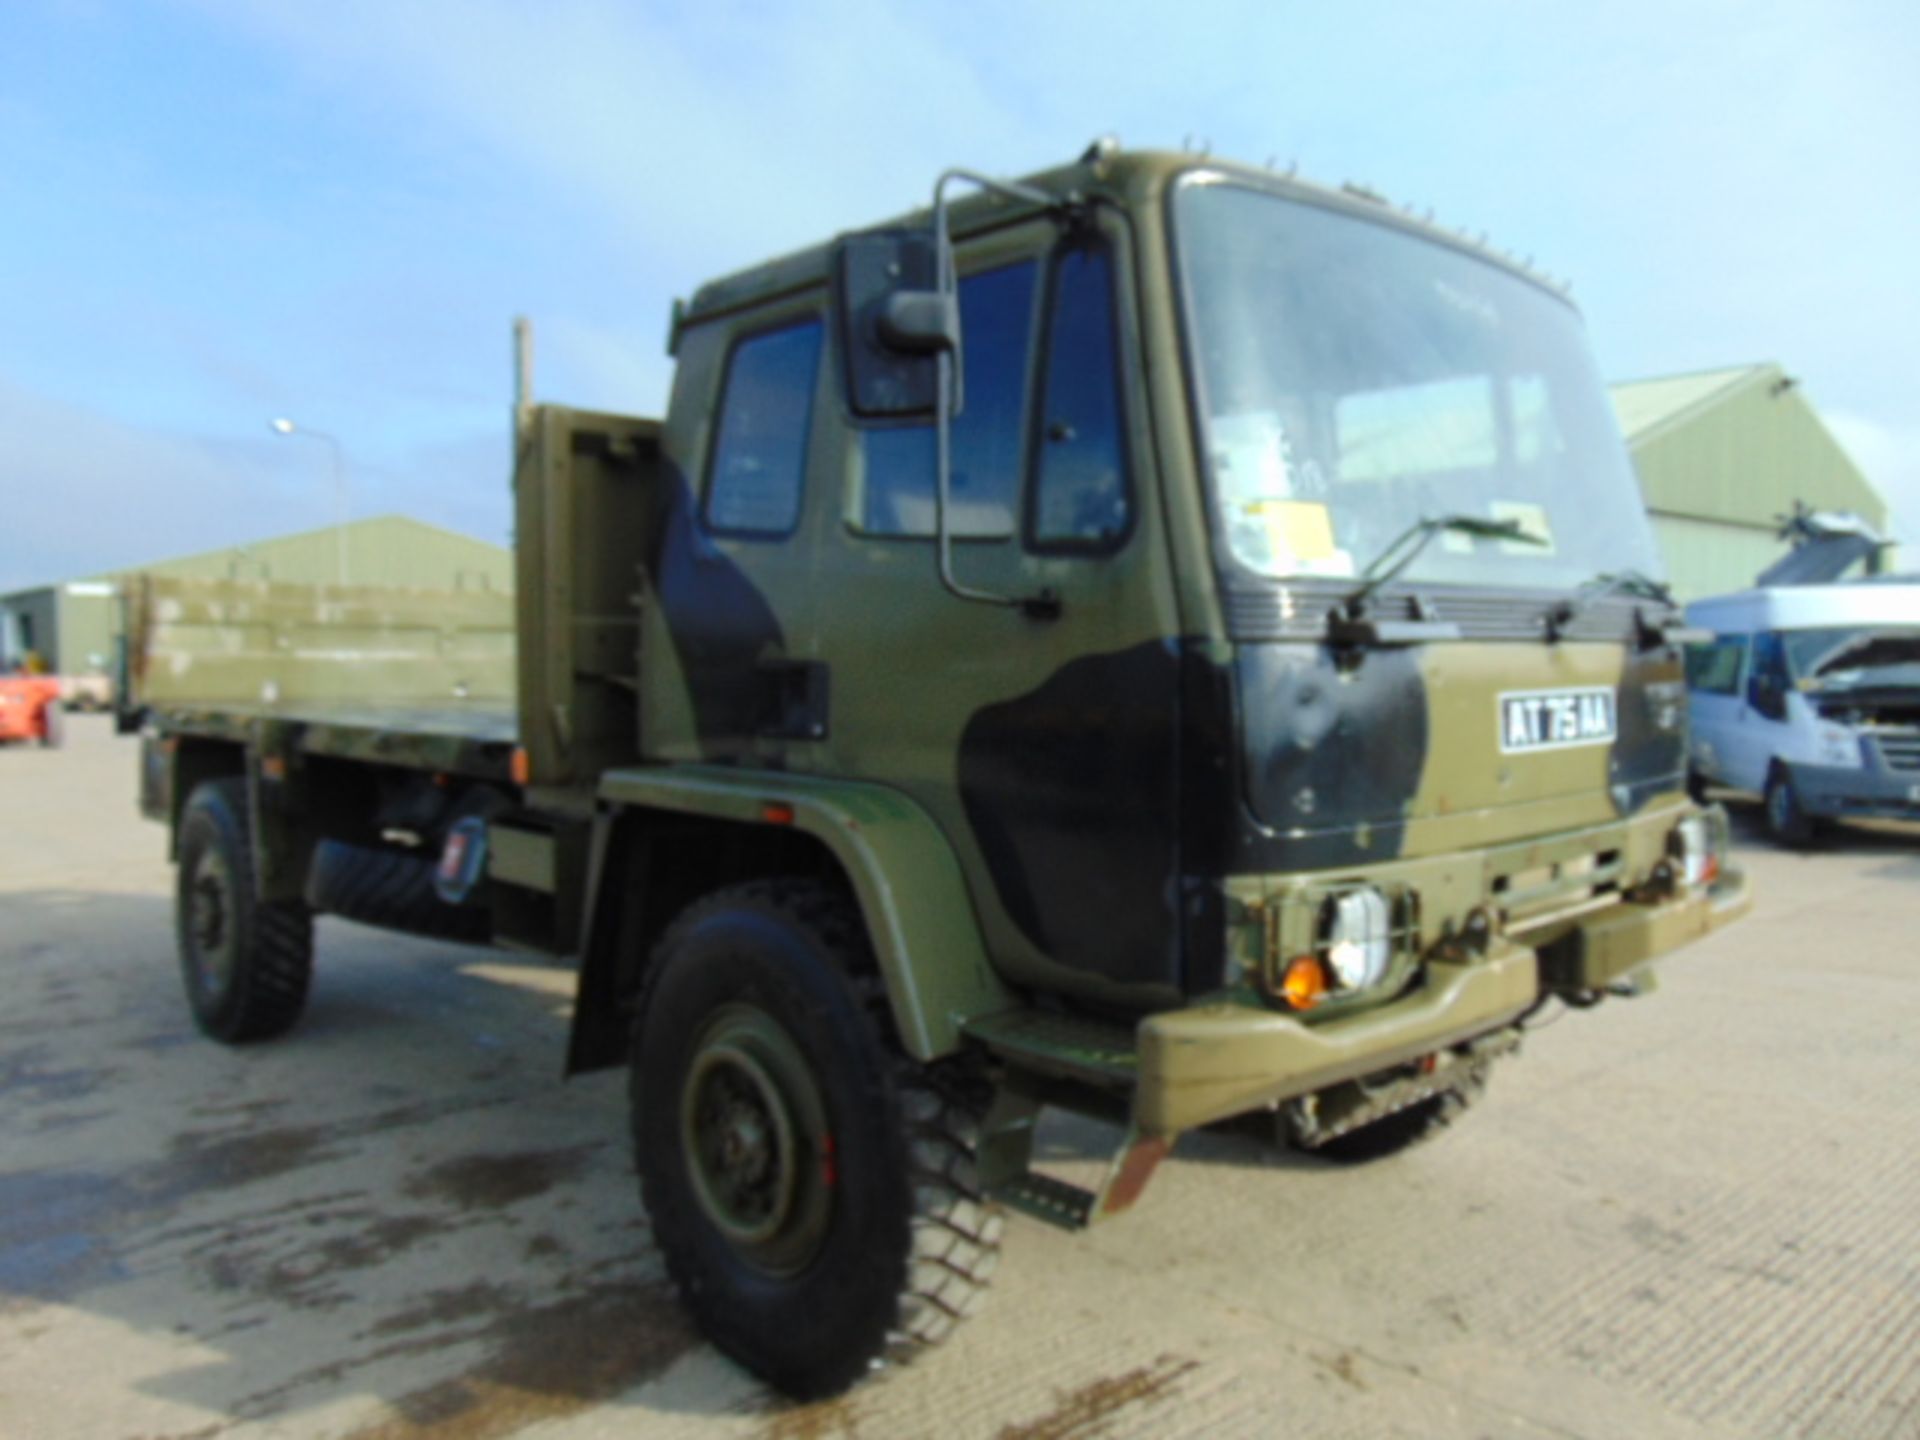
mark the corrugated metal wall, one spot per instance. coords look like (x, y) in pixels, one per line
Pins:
(86, 630)
(32, 623)
(1720, 469)
(1705, 557)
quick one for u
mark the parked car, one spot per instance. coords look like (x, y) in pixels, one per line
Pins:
(1809, 696)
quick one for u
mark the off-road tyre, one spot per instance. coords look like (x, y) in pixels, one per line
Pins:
(1421, 1121)
(246, 965)
(392, 889)
(1787, 822)
(884, 1241)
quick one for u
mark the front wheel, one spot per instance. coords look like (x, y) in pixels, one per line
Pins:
(245, 963)
(1787, 821)
(813, 1193)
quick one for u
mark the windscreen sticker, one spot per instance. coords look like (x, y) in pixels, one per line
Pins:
(1299, 536)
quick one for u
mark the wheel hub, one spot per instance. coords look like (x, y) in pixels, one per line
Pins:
(752, 1128)
(209, 914)
(210, 922)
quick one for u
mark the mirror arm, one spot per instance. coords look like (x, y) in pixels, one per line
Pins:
(948, 398)
(943, 475)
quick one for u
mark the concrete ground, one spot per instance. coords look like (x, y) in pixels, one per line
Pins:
(1693, 1214)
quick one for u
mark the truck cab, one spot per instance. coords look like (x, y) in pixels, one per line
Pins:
(1303, 518)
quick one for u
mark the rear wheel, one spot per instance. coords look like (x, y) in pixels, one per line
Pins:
(246, 964)
(813, 1193)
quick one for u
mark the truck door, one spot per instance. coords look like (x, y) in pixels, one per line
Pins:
(732, 569)
(1043, 739)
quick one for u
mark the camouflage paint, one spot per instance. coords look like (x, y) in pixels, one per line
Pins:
(1121, 784)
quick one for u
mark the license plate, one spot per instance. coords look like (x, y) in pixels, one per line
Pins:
(1557, 719)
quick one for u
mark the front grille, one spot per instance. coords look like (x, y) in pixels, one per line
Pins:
(1899, 749)
(1545, 893)
(1296, 609)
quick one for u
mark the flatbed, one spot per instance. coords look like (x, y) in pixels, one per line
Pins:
(474, 740)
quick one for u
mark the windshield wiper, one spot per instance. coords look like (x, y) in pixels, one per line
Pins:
(1405, 548)
(1349, 624)
(1669, 631)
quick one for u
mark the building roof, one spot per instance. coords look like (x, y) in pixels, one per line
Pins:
(266, 554)
(380, 550)
(1644, 406)
(1737, 446)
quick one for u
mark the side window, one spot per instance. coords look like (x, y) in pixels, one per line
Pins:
(1715, 669)
(896, 494)
(760, 447)
(1767, 682)
(1080, 497)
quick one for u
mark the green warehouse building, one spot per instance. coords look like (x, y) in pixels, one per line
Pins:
(72, 625)
(1723, 455)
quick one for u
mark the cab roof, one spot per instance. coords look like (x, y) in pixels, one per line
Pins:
(1133, 179)
(1811, 607)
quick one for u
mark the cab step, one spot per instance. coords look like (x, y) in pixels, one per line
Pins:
(1064, 1047)
(1044, 1198)
(1082, 1066)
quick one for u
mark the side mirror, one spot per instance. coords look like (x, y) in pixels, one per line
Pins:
(894, 322)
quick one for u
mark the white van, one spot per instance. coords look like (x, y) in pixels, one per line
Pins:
(1809, 695)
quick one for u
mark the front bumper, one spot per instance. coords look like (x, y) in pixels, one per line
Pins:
(1835, 792)
(1210, 1062)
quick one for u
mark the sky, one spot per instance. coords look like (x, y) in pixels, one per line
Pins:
(215, 212)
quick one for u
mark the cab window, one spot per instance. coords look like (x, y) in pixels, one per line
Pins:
(895, 495)
(1080, 499)
(1767, 682)
(1715, 669)
(760, 451)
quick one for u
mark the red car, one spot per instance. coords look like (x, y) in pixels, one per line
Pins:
(30, 709)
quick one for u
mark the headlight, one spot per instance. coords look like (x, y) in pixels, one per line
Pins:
(1837, 746)
(1358, 938)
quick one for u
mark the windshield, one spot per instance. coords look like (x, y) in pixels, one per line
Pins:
(1854, 656)
(1354, 379)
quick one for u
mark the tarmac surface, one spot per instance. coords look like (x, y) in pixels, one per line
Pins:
(1691, 1214)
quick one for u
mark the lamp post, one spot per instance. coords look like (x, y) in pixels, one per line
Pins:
(283, 426)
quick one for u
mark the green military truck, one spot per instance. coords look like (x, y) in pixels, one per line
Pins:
(1160, 640)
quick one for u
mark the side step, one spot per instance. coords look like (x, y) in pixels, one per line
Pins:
(1080, 1065)
(1063, 1047)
